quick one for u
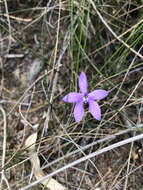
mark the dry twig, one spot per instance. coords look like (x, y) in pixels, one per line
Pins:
(3, 177)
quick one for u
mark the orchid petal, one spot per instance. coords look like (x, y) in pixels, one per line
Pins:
(72, 97)
(83, 84)
(78, 111)
(98, 94)
(95, 109)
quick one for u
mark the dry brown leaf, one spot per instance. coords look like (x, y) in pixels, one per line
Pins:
(50, 183)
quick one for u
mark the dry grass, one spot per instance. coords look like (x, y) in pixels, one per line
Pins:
(44, 45)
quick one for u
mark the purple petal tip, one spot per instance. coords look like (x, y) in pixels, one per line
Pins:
(83, 84)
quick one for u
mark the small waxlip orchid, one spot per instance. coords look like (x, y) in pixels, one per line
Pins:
(84, 97)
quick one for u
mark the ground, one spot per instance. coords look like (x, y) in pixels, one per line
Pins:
(44, 46)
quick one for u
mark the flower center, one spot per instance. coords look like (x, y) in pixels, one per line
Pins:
(85, 99)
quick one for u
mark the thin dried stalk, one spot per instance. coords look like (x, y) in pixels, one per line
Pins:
(3, 178)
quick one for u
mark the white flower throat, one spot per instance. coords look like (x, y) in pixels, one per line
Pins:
(85, 99)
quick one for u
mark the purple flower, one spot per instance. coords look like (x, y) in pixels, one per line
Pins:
(84, 97)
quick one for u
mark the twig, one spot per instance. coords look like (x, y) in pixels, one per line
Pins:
(18, 18)
(3, 178)
(55, 79)
(9, 25)
(13, 56)
(128, 165)
(63, 50)
(2, 80)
